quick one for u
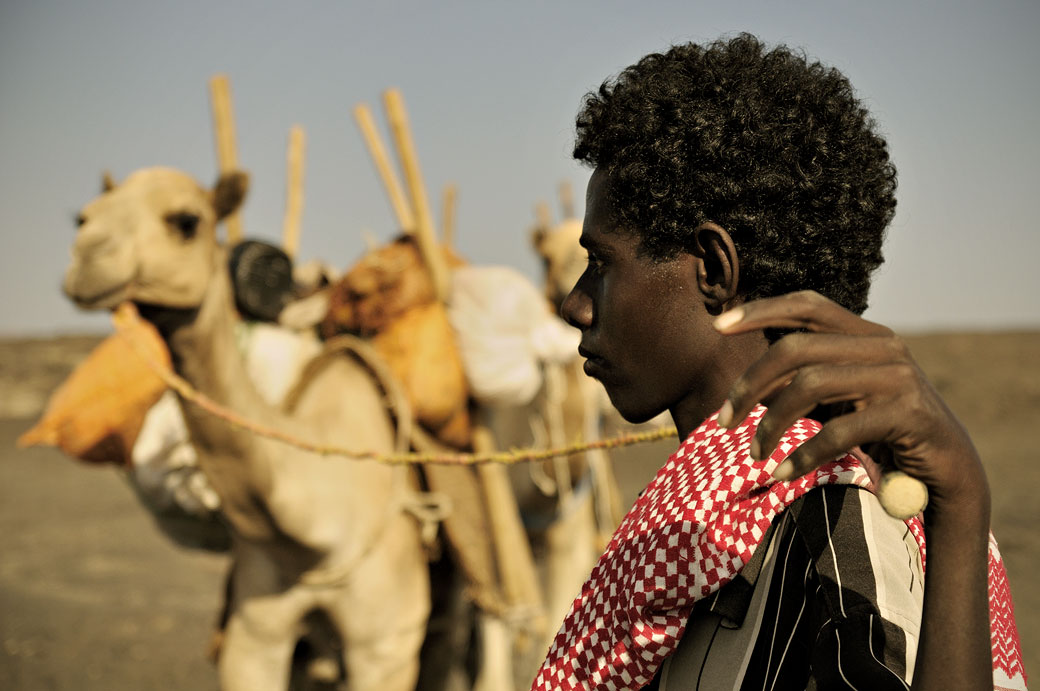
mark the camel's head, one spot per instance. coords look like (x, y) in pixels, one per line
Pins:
(563, 257)
(151, 239)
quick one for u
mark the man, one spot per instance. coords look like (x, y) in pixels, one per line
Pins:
(725, 177)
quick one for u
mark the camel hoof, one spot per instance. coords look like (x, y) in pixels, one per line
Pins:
(215, 645)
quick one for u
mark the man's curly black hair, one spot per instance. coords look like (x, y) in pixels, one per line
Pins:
(772, 147)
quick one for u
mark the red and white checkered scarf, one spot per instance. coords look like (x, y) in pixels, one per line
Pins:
(692, 530)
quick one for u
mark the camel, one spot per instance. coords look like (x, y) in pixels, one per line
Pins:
(584, 519)
(562, 257)
(308, 533)
(526, 387)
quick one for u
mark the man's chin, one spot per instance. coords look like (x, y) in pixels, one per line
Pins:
(630, 412)
(638, 418)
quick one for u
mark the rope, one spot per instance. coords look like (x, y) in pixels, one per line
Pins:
(124, 320)
(429, 509)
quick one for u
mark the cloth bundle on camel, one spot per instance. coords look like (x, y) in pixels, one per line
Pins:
(113, 409)
(97, 412)
(506, 333)
(489, 342)
(388, 297)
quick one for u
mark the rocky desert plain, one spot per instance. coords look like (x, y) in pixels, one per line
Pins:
(93, 597)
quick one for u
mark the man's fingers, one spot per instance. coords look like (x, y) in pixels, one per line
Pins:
(786, 360)
(838, 437)
(803, 310)
(812, 386)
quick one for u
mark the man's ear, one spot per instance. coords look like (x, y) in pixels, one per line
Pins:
(718, 270)
(229, 192)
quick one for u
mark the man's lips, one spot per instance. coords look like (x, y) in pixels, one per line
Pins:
(595, 365)
(587, 354)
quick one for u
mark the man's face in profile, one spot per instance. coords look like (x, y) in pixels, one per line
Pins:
(641, 318)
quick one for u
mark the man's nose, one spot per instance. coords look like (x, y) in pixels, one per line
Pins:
(576, 309)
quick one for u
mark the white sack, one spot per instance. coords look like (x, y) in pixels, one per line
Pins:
(505, 332)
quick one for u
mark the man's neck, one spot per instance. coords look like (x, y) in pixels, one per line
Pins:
(735, 355)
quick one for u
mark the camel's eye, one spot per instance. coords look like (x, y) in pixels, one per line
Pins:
(185, 223)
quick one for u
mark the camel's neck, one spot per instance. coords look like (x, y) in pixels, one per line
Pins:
(204, 350)
(236, 462)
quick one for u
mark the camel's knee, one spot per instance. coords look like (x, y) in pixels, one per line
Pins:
(379, 663)
(252, 659)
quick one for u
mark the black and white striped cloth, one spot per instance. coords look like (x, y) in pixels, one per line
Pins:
(831, 600)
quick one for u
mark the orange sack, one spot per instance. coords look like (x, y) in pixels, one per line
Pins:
(420, 348)
(97, 412)
(388, 297)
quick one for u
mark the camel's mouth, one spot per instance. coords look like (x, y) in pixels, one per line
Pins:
(108, 298)
(168, 320)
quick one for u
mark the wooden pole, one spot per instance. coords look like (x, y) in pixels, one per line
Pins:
(451, 193)
(294, 192)
(567, 200)
(224, 129)
(542, 216)
(398, 202)
(517, 572)
(371, 243)
(425, 235)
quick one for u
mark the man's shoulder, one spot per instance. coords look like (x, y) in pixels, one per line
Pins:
(864, 557)
(840, 510)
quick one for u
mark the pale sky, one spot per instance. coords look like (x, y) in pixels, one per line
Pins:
(492, 89)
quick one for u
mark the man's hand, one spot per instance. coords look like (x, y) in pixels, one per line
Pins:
(889, 407)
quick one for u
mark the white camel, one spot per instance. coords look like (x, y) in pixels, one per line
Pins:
(562, 257)
(308, 533)
(586, 519)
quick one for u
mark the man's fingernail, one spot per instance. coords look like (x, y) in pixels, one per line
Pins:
(728, 319)
(784, 471)
(725, 414)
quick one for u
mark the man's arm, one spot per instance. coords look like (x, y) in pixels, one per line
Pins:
(892, 410)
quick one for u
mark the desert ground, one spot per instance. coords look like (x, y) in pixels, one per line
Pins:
(93, 596)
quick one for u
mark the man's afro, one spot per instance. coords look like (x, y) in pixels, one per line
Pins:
(772, 147)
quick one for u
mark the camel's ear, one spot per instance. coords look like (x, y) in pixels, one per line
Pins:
(538, 235)
(543, 221)
(229, 192)
(108, 183)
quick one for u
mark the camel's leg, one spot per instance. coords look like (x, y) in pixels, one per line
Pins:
(570, 553)
(216, 639)
(381, 614)
(496, 664)
(262, 629)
